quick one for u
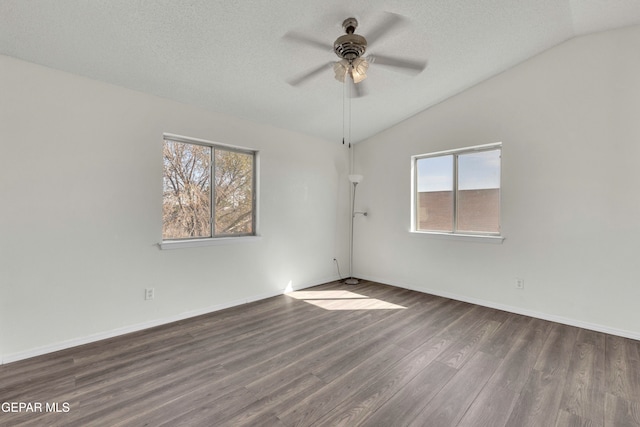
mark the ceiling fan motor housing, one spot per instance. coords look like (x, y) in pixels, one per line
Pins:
(350, 46)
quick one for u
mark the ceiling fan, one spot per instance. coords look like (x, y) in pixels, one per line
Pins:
(350, 48)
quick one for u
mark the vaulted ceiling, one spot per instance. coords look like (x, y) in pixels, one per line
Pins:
(231, 57)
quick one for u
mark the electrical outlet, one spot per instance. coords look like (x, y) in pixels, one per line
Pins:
(149, 293)
(519, 283)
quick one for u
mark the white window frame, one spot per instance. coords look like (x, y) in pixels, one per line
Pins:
(488, 237)
(215, 240)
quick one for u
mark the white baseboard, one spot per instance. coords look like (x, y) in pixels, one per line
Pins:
(63, 345)
(511, 309)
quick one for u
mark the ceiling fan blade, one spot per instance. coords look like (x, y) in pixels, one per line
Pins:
(360, 89)
(295, 81)
(390, 21)
(306, 40)
(357, 90)
(409, 65)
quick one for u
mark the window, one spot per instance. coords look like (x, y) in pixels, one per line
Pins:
(458, 191)
(208, 190)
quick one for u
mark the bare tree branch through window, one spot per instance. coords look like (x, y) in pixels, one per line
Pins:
(190, 210)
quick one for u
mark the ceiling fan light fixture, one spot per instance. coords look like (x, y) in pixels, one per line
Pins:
(356, 69)
(357, 77)
(341, 68)
(359, 69)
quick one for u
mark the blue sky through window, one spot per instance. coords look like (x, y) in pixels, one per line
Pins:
(435, 173)
(476, 170)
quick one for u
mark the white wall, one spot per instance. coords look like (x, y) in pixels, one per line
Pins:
(569, 120)
(81, 197)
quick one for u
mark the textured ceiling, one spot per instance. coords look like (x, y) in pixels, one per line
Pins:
(231, 57)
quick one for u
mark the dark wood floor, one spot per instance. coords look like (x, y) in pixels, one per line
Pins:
(327, 357)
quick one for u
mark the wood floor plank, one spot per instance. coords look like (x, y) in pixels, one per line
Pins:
(279, 400)
(449, 406)
(381, 386)
(434, 321)
(500, 343)
(403, 407)
(284, 361)
(620, 412)
(556, 353)
(468, 343)
(491, 408)
(324, 400)
(584, 388)
(566, 419)
(300, 359)
(34, 370)
(622, 368)
(539, 401)
(209, 410)
(519, 362)
(494, 404)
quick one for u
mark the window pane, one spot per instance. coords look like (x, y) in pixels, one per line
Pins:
(435, 193)
(186, 202)
(478, 202)
(233, 192)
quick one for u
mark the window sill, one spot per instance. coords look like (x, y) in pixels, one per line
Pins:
(196, 243)
(480, 238)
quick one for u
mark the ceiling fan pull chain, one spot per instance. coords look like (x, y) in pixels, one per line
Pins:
(343, 113)
(350, 96)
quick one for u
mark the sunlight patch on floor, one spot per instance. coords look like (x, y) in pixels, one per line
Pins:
(343, 300)
(334, 294)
